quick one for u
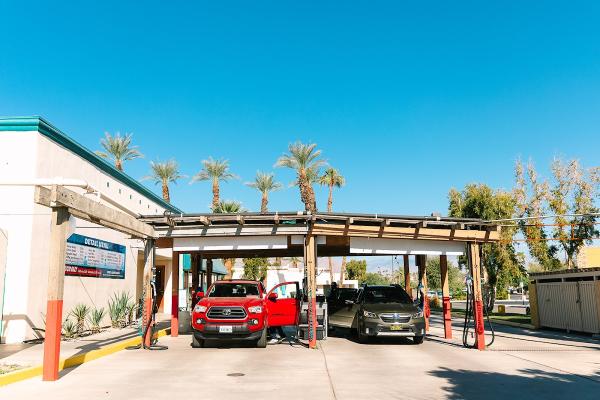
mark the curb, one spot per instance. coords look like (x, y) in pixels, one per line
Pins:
(27, 373)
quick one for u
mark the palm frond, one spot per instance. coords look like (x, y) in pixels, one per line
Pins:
(214, 170)
(264, 182)
(332, 177)
(164, 172)
(228, 207)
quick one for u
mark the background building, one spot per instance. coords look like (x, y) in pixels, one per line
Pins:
(34, 152)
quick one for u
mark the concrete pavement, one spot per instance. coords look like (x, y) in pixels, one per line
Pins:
(521, 364)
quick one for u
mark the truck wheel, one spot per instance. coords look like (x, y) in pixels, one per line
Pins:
(262, 342)
(418, 339)
(197, 342)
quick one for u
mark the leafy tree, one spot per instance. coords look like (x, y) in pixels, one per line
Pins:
(375, 278)
(500, 260)
(164, 173)
(570, 197)
(306, 161)
(264, 183)
(295, 261)
(256, 268)
(215, 171)
(119, 149)
(434, 276)
(356, 269)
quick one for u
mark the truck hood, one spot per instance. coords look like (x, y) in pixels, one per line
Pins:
(391, 307)
(230, 301)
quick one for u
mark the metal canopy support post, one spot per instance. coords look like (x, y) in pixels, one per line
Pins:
(195, 270)
(311, 260)
(422, 264)
(209, 272)
(407, 275)
(475, 269)
(175, 294)
(446, 305)
(56, 283)
(148, 266)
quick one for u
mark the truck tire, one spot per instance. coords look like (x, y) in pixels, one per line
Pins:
(262, 342)
(197, 342)
(418, 339)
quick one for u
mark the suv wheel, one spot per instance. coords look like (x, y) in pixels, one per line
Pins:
(418, 339)
(197, 342)
(262, 342)
(362, 337)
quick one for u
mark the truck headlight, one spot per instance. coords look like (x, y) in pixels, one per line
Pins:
(255, 309)
(198, 308)
(369, 314)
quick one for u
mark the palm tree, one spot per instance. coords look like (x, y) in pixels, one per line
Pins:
(331, 178)
(228, 207)
(119, 149)
(215, 171)
(304, 159)
(164, 173)
(294, 261)
(264, 183)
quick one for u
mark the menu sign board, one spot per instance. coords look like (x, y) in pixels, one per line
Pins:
(94, 258)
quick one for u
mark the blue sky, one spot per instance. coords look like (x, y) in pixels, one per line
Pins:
(407, 100)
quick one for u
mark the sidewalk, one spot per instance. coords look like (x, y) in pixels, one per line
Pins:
(32, 355)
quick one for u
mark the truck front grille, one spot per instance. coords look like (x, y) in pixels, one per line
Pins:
(219, 312)
(395, 317)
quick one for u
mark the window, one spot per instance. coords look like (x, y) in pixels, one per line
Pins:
(107, 184)
(234, 290)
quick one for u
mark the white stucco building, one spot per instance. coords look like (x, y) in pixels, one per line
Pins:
(32, 152)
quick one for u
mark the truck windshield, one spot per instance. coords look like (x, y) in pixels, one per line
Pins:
(234, 290)
(386, 294)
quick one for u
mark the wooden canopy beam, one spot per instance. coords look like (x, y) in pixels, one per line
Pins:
(92, 211)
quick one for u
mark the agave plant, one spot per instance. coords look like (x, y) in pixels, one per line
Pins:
(69, 329)
(95, 319)
(131, 311)
(80, 313)
(118, 309)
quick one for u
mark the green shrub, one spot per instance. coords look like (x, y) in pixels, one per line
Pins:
(80, 313)
(69, 329)
(118, 309)
(95, 319)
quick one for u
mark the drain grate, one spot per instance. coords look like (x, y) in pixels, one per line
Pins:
(236, 374)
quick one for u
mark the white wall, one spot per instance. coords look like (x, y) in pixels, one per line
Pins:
(30, 155)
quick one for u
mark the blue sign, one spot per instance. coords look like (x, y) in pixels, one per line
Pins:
(94, 258)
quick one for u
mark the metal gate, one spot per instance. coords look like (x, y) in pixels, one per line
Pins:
(570, 305)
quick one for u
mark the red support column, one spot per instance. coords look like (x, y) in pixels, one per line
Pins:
(175, 294)
(475, 265)
(446, 305)
(422, 263)
(56, 282)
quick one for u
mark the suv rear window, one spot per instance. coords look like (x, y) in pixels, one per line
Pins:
(234, 290)
(386, 294)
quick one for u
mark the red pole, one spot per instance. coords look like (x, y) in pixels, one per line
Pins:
(56, 282)
(475, 264)
(175, 294)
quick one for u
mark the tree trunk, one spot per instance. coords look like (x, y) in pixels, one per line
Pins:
(165, 192)
(330, 199)
(263, 203)
(119, 165)
(343, 271)
(330, 270)
(228, 262)
(215, 190)
(311, 198)
(302, 184)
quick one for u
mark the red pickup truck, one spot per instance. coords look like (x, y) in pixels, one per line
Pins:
(242, 310)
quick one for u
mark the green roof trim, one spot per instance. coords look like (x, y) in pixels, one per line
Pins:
(39, 124)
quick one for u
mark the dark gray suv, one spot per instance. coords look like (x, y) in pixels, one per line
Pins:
(378, 311)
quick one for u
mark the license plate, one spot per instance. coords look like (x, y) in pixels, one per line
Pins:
(396, 327)
(226, 329)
